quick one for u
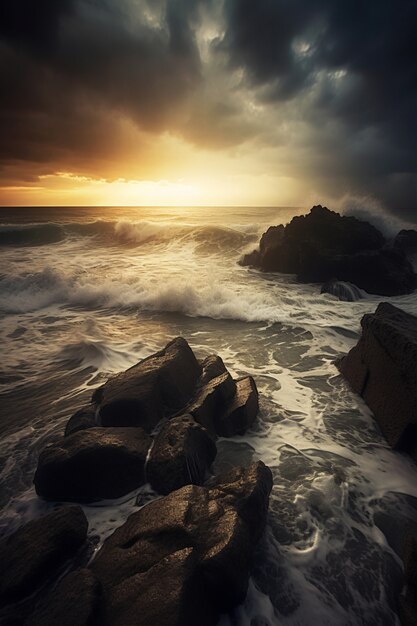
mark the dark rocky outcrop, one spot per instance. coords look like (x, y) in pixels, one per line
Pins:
(347, 292)
(93, 464)
(324, 245)
(185, 558)
(156, 387)
(37, 551)
(181, 454)
(382, 368)
(75, 601)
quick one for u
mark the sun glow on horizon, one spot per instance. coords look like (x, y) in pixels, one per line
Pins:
(70, 189)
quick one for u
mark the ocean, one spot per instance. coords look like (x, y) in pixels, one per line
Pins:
(87, 292)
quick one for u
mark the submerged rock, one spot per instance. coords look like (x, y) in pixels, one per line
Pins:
(93, 464)
(181, 454)
(324, 245)
(382, 368)
(347, 292)
(37, 551)
(185, 558)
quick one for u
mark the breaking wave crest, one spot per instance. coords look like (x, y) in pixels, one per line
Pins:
(193, 296)
(124, 232)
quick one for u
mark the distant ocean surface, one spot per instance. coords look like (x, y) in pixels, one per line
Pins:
(86, 292)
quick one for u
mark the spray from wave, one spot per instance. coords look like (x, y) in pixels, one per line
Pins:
(369, 209)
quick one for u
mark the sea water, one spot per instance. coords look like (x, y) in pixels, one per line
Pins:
(86, 292)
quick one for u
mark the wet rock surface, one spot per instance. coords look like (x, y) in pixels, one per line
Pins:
(382, 368)
(107, 443)
(38, 550)
(185, 558)
(93, 464)
(181, 454)
(324, 245)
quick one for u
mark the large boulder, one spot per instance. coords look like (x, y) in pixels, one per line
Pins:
(185, 558)
(37, 552)
(382, 368)
(157, 387)
(181, 454)
(324, 245)
(93, 464)
(75, 601)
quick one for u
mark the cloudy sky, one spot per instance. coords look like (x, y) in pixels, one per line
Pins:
(251, 102)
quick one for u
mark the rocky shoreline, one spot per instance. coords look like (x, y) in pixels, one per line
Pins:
(182, 559)
(186, 557)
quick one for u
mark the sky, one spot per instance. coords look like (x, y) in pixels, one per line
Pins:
(208, 102)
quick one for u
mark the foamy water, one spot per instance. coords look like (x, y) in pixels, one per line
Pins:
(85, 293)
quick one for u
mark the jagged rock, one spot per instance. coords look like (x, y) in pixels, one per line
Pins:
(181, 454)
(347, 292)
(211, 399)
(185, 558)
(93, 464)
(74, 602)
(324, 245)
(37, 551)
(241, 412)
(157, 387)
(382, 368)
(81, 420)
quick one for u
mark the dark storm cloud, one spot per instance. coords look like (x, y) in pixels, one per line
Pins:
(62, 63)
(356, 61)
(346, 69)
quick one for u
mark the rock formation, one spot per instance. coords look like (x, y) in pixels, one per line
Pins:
(108, 449)
(324, 245)
(181, 560)
(382, 368)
